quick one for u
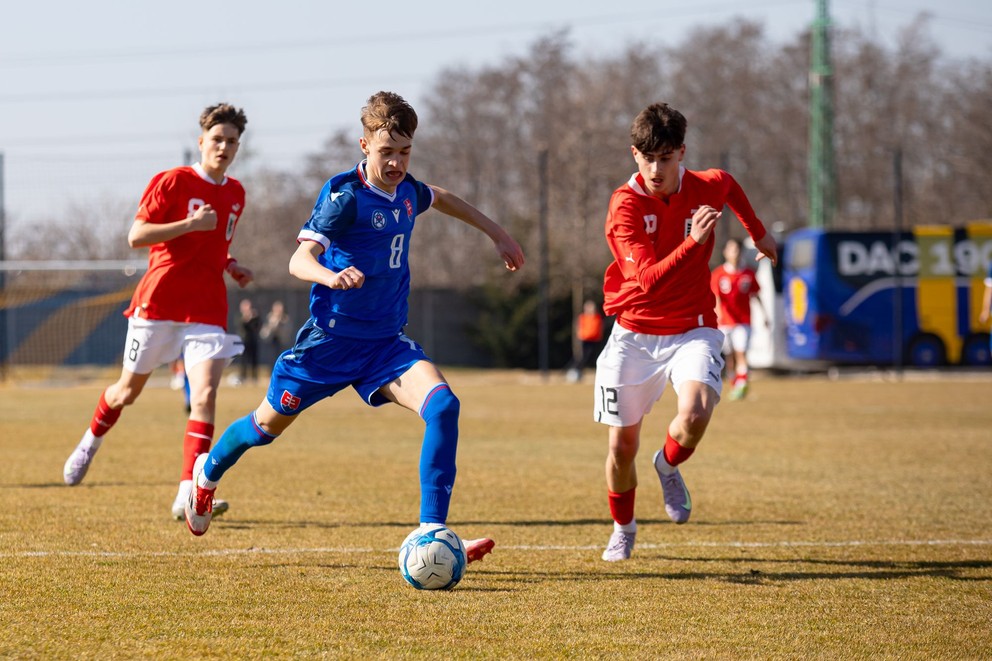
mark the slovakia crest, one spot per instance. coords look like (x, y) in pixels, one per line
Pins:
(289, 400)
(409, 208)
(378, 219)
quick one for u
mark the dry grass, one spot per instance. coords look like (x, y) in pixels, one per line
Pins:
(832, 519)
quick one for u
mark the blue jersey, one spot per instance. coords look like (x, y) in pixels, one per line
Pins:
(363, 226)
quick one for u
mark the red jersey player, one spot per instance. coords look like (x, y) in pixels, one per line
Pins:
(659, 228)
(734, 285)
(187, 217)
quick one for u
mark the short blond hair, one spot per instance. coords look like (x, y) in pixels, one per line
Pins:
(386, 111)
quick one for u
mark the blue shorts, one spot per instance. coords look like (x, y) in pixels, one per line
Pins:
(319, 365)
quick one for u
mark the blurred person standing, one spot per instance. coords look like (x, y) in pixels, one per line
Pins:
(249, 327)
(277, 331)
(589, 333)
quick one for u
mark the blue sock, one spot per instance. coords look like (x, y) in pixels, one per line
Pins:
(234, 442)
(437, 455)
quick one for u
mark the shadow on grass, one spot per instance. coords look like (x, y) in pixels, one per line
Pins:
(494, 579)
(551, 523)
(96, 484)
(958, 570)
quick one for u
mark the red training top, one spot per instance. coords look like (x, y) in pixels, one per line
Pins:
(185, 278)
(659, 281)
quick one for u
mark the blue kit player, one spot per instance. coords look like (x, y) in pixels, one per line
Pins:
(354, 250)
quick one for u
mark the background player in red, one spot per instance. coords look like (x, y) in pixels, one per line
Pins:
(659, 228)
(589, 333)
(187, 218)
(734, 285)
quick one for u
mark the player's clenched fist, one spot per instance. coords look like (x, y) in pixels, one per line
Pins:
(204, 219)
(349, 278)
(703, 222)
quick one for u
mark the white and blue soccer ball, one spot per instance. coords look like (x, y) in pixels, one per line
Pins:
(432, 558)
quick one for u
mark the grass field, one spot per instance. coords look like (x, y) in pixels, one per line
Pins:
(845, 518)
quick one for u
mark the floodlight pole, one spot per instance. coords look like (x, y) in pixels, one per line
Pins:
(822, 178)
(543, 309)
(897, 312)
(3, 283)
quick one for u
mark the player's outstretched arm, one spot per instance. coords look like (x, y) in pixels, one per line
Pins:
(768, 247)
(450, 204)
(305, 266)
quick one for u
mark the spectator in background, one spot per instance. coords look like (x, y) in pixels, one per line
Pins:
(734, 285)
(277, 330)
(249, 328)
(589, 332)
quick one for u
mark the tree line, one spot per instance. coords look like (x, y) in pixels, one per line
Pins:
(482, 132)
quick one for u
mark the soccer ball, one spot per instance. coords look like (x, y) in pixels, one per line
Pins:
(432, 558)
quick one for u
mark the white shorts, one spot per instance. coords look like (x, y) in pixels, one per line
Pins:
(153, 342)
(738, 338)
(634, 368)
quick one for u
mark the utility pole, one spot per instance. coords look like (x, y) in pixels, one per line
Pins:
(822, 177)
(3, 283)
(544, 304)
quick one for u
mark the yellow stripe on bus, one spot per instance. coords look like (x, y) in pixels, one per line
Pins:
(936, 294)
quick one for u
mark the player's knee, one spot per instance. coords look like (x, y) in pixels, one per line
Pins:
(204, 398)
(695, 420)
(441, 404)
(623, 446)
(124, 397)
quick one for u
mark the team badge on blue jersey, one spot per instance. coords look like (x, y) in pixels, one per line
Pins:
(289, 400)
(378, 220)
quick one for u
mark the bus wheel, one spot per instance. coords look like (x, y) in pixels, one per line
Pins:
(926, 350)
(976, 350)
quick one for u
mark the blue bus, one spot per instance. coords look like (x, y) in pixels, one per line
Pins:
(887, 298)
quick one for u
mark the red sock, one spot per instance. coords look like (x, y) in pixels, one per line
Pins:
(622, 506)
(675, 454)
(199, 436)
(104, 417)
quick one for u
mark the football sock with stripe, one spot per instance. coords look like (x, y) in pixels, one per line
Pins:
(104, 417)
(240, 435)
(437, 455)
(199, 436)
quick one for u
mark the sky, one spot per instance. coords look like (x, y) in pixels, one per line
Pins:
(98, 96)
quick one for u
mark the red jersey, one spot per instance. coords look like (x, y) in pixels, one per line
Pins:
(734, 289)
(185, 278)
(659, 281)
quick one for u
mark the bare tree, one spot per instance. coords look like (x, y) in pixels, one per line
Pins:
(85, 231)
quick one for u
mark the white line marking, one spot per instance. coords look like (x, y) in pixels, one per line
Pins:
(519, 547)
